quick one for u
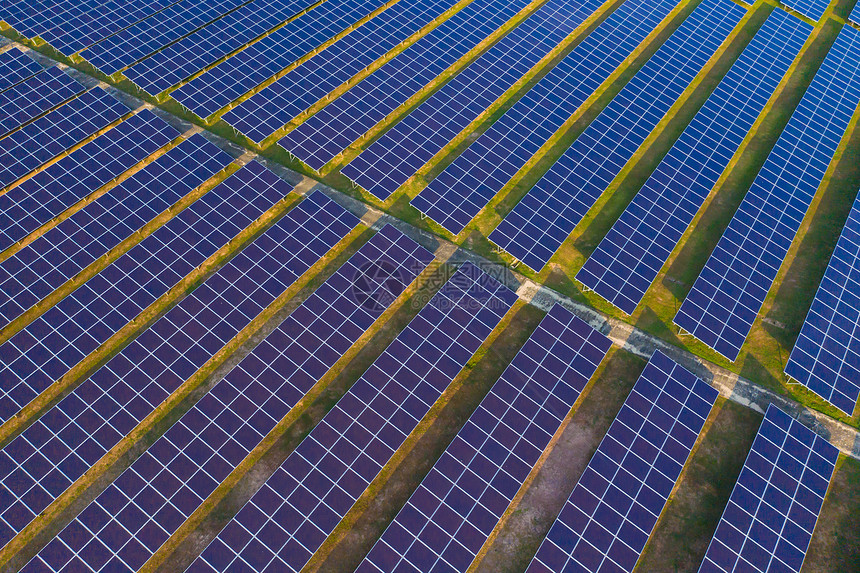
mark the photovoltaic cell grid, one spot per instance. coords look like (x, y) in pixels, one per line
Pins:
(43, 139)
(637, 246)
(813, 9)
(55, 257)
(34, 96)
(57, 449)
(147, 36)
(16, 66)
(472, 179)
(855, 15)
(452, 513)
(768, 522)
(52, 344)
(538, 225)
(826, 355)
(206, 46)
(269, 110)
(129, 521)
(725, 299)
(332, 129)
(392, 159)
(26, 207)
(258, 62)
(609, 516)
(288, 519)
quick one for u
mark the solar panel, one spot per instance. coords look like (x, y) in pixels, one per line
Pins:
(542, 220)
(287, 520)
(36, 270)
(474, 177)
(148, 36)
(34, 96)
(28, 206)
(768, 522)
(813, 9)
(244, 71)
(452, 513)
(269, 110)
(725, 299)
(854, 17)
(608, 518)
(48, 347)
(43, 139)
(148, 502)
(188, 56)
(393, 158)
(637, 246)
(16, 66)
(332, 129)
(93, 418)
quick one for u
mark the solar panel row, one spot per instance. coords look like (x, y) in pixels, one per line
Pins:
(452, 513)
(637, 246)
(725, 299)
(39, 268)
(16, 66)
(129, 521)
(34, 96)
(261, 115)
(813, 9)
(34, 202)
(549, 212)
(612, 511)
(854, 17)
(242, 72)
(191, 54)
(393, 158)
(47, 457)
(768, 522)
(473, 178)
(329, 131)
(288, 519)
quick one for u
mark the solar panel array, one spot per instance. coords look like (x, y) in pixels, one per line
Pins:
(52, 344)
(16, 66)
(39, 268)
(637, 246)
(725, 299)
(389, 161)
(473, 178)
(855, 15)
(613, 509)
(43, 139)
(129, 521)
(34, 202)
(332, 129)
(813, 9)
(288, 519)
(549, 212)
(452, 513)
(34, 96)
(191, 54)
(69, 438)
(269, 110)
(768, 522)
(235, 76)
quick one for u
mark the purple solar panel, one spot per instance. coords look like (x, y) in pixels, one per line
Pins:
(16, 66)
(34, 96)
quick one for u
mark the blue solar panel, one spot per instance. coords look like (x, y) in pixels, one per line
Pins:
(237, 75)
(459, 192)
(768, 522)
(55, 257)
(855, 14)
(54, 133)
(725, 299)
(813, 9)
(268, 111)
(612, 511)
(332, 129)
(287, 520)
(25, 208)
(543, 219)
(94, 417)
(452, 513)
(206, 46)
(167, 484)
(631, 255)
(16, 66)
(401, 151)
(34, 96)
